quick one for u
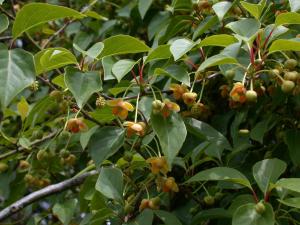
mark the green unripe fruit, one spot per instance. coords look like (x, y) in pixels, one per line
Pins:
(3, 167)
(193, 210)
(260, 208)
(290, 64)
(65, 135)
(42, 155)
(287, 86)
(251, 96)
(292, 76)
(64, 153)
(219, 196)
(230, 74)
(37, 134)
(128, 156)
(244, 132)
(275, 72)
(209, 200)
(157, 105)
(57, 95)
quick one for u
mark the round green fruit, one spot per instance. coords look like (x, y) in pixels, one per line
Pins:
(287, 86)
(290, 64)
(260, 208)
(209, 200)
(251, 96)
(230, 74)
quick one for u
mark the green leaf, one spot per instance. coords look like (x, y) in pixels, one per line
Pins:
(285, 45)
(292, 184)
(180, 47)
(247, 215)
(53, 58)
(82, 85)
(103, 115)
(93, 51)
(182, 5)
(16, 73)
(262, 127)
(143, 6)
(85, 136)
(246, 29)
(222, 40)
(254, 9)
(144, 218)
(215, 213)
(4, 22)
(95, 15)
(60, 81)
(110, 183)
(292, 139)
(65, 211)
(267, 172)
(287, 18)
(217, 141)
(105, 142)
(292, 202)
(1, 2)
(221, 174)
(34, 14)
(295, 5)
(122, 67)
(217, 60)
(23, 108)
(107, 63)
(171, 133)
(167, 217)
(161, 52)
(205, 25)
(176, 72)
(221, 8)
(122, 44)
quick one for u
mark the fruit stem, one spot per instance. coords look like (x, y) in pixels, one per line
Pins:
(202, 90)
(136, 107)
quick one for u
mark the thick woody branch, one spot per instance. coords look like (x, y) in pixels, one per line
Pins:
(45, 192)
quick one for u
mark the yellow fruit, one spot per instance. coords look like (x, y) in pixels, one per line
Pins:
(290, 64)
(292, 76)
(251, 96)
(287, 86)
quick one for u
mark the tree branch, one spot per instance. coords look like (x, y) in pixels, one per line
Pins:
(12, 152)
(47, 191)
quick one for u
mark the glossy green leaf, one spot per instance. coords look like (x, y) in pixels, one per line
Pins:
(161, 52)
(171, 133)
(103, 115)
(95, 15)
(53, 58)
(217, 60)
(65, 211)
(210, 214)
(82, 85)
(216, 141)
(180, 47)
(122, 67)
(254, 9)
(221, 174)
(285, 45)
(261, 128)
(105, 142)
(239, 201)
(247, 215)
(182, 5)
(4, 22)
(287, 18)
(143, 6)
(176, 72)
(34, 14)
(222, 40)
(16, 73)
(86, 136)
(221, 8)
(110, 183)
(268, 171)
(59, 81)
(292, 202)
(292, 184)
(122, 44)
(144, 218)
(107, 63)
(245, 28)
(167, 217)
(295, 5)
(93, 51)
(292, 139)
(205, 25)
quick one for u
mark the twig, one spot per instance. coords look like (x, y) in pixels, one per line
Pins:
(6, 13)
(12, 152)
(47, 191)
(4, 38)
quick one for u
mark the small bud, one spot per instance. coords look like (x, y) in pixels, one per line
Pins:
(100, 102)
